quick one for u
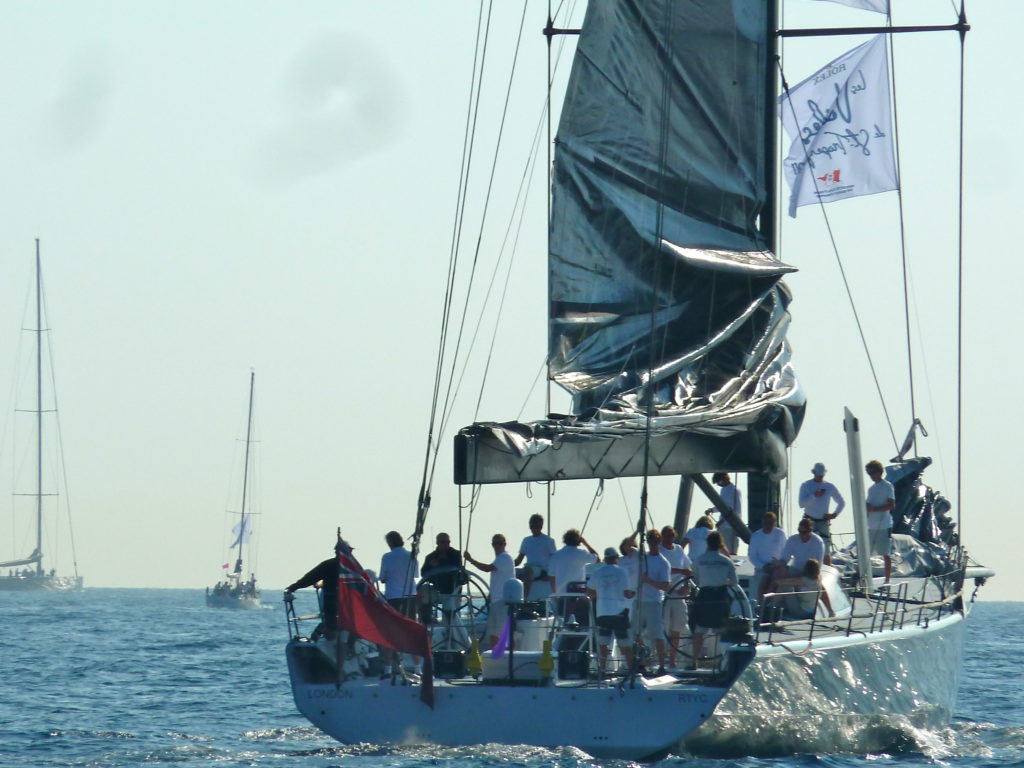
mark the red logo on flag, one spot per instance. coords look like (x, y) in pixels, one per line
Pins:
(832, 176)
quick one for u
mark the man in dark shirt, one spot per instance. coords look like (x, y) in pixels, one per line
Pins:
(442, 568)
(326, 574)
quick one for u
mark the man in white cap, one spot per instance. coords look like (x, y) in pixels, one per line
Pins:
(814, 501)
(609, 586)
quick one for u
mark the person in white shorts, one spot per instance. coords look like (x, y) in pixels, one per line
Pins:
(501, 570)
(675, 603)
(610, 589)
(655, 574)
(881, 501)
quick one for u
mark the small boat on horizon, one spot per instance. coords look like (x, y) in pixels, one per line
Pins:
(235, 590)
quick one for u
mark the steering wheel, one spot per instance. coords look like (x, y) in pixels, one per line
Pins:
(463, 614)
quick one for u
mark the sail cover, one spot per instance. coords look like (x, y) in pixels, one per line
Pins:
(661, 280)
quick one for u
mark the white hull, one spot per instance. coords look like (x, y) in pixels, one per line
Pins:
(41, 584)
(245, 602)
(840, 695)
(603, 721)
(835, 693)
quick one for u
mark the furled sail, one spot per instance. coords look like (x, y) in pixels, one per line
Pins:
(667, 314)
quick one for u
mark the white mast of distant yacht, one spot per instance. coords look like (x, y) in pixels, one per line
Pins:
(245, 474)
(39, 413)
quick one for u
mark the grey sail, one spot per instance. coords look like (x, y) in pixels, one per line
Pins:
(667, 310)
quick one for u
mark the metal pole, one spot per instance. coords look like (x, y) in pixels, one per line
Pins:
(39, 414)
(858, 502)
(245, 472)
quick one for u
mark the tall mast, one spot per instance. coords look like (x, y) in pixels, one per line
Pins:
(39, 414)
(768, 222)
(245, 472)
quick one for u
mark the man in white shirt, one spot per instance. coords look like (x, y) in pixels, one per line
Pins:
(765, 553)
(696, 538)
(881, 501)
(655, 574)
(814, 498)
(537, 549)
(567, 571)
(609, 586)
(569, 564)
(398, 571)
(733, 499)
(675, 603)
(801, 547)
(501, 569)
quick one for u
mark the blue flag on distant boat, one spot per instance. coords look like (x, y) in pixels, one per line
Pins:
(882, 6)
(241, 533)
(839, 120)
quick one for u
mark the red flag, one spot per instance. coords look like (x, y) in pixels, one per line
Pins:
(364, 612)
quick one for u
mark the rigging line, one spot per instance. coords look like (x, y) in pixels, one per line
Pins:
(60, 435)
(452, 392)
(520, 205)
(960, 281)
(663, 133)
(458, 341)
(11, 421)
(550, 168)
(508, 273)
(928, 388)
(891, 50)
(625, 504)
(594, 503)
(453, 385)
(424, 493)
(522, 195)
(548, 197)
(533, 386)
(842, 270)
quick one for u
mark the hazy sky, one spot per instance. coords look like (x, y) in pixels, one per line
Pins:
(267, 185)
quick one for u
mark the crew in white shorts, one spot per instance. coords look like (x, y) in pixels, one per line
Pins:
(675, 603)
(881, 501)
(655, 574)
(501, 569)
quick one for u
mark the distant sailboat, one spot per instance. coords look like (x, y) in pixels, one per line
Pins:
(28, 573)
(235, 591)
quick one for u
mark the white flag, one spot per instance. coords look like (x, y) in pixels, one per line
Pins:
(882, 6)
(241, 533)
(839, 120)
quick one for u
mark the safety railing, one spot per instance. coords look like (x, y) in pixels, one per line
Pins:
(889, 608)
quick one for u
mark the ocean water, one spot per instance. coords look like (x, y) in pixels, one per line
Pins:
(131, 677)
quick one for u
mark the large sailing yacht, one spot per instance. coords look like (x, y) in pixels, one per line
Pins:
(29, 572)
(667, 324)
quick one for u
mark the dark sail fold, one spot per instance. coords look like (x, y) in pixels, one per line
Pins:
(664, 295)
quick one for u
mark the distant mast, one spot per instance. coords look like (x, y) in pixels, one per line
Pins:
(39, 413)
(245, 473)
